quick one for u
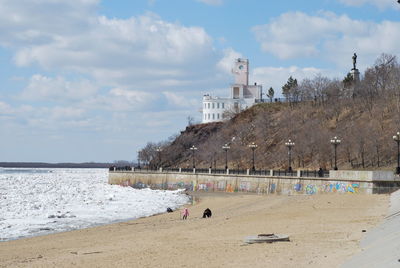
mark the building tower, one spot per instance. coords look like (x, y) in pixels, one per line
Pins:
(241, 72)
(242, 96)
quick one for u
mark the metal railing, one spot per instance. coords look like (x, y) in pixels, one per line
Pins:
(276, 173)
(218, 171)
(314, 173)
(170, 169)
(288, 173)
(260, 172)
(238, 171)
(202, 170)
(124, 168)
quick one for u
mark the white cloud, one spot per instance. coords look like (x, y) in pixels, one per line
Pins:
(130, 99)
(35, 118)
(141, 53)
(179, 100)
(226, 63)
(5, 109)
(99, 78)
(65, 112)
(141, 50)
(47, 88)
(276, 77)
(212, 2)
(151, 2)
(25, 22)
(139, 58)
(328, 36)
(381, 4)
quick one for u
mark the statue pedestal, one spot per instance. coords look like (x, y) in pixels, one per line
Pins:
(355, 73)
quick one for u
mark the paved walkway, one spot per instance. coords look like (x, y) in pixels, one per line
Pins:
(381, 246)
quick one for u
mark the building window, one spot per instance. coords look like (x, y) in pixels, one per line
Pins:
(213, 116)
(223, 105)
(205, 105)
(208, 116)
(236, 93)
(218, 105)
(208, 105)
(213, 105)
(218, 116)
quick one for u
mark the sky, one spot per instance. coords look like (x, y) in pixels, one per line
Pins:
(95, 80)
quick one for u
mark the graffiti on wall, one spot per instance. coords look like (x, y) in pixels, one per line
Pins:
(298, 187)
(208, 186)
(221, 185)
(189, 186)
(272, 188)
(353, 188)
(338, 187)
(139, 185)
(311, 189)
(269, 187)
(244, 186)
(230, 188)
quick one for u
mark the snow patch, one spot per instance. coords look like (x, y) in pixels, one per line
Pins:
(42, 201)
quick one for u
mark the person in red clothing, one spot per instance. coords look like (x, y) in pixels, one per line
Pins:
(185, 213)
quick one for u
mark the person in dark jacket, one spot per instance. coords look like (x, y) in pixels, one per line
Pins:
(320, 172)
(207, 213)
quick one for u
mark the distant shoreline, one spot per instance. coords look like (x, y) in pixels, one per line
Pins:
(53, 165)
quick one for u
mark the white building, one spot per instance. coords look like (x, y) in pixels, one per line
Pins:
(242, 95)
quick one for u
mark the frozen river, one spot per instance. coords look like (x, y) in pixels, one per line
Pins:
(41, 201)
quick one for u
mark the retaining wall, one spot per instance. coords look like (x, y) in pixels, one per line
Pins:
(365, 175)
(245, 183)
(380, 247)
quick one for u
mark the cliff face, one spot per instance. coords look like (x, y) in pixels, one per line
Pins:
(366, 136)
(178, 154)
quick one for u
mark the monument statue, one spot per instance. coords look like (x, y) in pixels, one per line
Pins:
(354, 61)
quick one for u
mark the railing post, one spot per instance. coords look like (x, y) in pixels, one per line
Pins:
(160, 169)
(194, 170)
(227, 171)
(271, 172)
(299, 173)
(180, 170)
(209, 171)
(248, 172)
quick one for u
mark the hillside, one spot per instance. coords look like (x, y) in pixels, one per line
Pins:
(364, 115)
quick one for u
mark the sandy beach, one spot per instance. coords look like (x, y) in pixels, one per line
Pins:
(324, 231)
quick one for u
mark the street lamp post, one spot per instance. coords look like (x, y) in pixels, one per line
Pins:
(253, 147)
(396, 138)
(138, 159)
(335, 142)
(290, 145)
(226, 147)
(159, 150)
(193, 149)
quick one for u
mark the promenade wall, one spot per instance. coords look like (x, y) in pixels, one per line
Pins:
(251, 183)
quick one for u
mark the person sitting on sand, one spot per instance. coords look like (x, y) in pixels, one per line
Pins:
(185, 213)
(207, 213)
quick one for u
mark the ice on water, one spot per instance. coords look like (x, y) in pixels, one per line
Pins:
(41, 201)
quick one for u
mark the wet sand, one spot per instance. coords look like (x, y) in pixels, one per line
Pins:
(324, 230)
